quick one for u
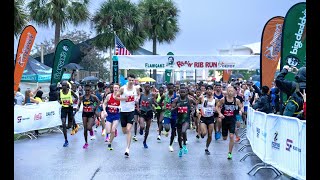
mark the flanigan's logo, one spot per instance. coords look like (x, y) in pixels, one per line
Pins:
(170, 62)
(275, 45)
(292, 61)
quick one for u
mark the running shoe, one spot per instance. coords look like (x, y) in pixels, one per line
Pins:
(207, 152)
(219, 135)
(170, 148)
(77, 128)
(85, 146)
(109, 147)
(185, 149)
(159, 138)
(66, 143)
(91, 133)
(141, 132)
(135, 138)
(73, 132)
(107, 139)
(237, 139)
(145, 145)
(126, 153)
(216, 135)
(229, 155)
(103, 132)
(116, 133)
(180, 152)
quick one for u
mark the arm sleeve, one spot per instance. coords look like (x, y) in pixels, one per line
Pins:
(285, 86)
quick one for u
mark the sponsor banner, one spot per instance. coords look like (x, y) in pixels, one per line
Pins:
(281, 143)
(26, 41)
(259, 134)
(61, 57)
(294, 40)
(219, 62)
(36, 116)
(270, 50)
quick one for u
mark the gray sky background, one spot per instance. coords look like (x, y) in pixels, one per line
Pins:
(206, 25)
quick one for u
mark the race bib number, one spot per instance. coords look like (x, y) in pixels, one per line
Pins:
(208, 111)
(183, 110)
(130, 99)
(66, 102)
(113, 110)
(228, 113)
(145, 103)
(168, 106)
(87, 109)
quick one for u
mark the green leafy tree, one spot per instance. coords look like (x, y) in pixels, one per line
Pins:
(160, 22)
(20, 17)
(59, 13)
(123, 18)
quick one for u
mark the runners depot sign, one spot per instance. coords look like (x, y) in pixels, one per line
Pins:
(189, 62)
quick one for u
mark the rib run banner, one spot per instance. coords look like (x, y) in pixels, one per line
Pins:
(270, 50)
(221, 62)
(61, 57)
(23, 51)
(293, 51)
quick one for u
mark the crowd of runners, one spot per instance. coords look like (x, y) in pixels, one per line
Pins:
(216, 109)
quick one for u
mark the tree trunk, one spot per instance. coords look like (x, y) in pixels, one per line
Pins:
(154, 52)
(57, 34)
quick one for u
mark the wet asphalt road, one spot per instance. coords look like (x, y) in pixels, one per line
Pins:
(45, 158)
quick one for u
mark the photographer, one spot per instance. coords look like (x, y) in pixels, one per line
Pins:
(294, 105)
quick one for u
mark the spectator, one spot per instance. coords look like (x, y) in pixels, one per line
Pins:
(263, 103)
(294, 105)
(29, 98)
(19, 97)
(38, 96)
(275, 99)
(53, 94)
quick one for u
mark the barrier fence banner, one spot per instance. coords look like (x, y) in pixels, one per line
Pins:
(250, 118)
(218, 62)
(303, 155)
(36, 116)
(259, 134)
(283, 146)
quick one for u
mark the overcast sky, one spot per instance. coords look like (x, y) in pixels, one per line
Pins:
(206, 25)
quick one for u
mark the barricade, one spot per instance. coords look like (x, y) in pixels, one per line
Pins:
(279, 141)
(36, 116)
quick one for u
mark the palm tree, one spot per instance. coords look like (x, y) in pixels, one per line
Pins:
(59, 13)
(20, 17)
(160, 22)
(121, 17)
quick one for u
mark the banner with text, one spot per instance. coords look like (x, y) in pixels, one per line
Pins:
(36, 116)
(270, 50)
(294, 43)
(219, 62)
(62, 56)
(26, 41)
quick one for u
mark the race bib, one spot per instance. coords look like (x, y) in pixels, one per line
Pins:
(66, 102)
(130, 99)
(145, 103)
(87, 109)
(208, 112)
(168, 106)
(228, 113)
(113, 110)
(183, 110)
